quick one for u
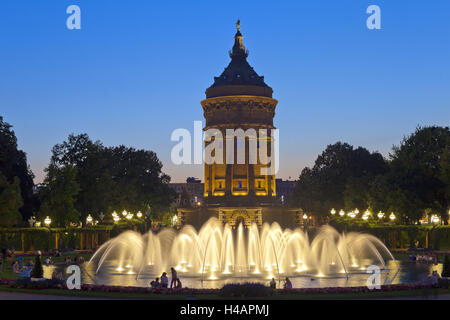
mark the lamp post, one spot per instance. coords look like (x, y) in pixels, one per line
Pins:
(435, 219)
(32, 221)
(305, 221)
(47, 222)
(392, 217)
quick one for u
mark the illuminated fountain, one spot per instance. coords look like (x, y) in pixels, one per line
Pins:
(219, 252)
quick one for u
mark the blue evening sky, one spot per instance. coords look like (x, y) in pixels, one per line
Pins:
(137, 70)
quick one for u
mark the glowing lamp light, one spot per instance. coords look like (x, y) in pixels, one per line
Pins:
(305, 216)
(342, 213)
(365, 217)
(129, 216)
(139, 214)
(352, 214)
(89, 219)
(48, 221)
(333, 212)
(367, 213)
(356, 211)
(124, 213)
(392, 216)
(380, 215)
(435, 219)
(114, 214)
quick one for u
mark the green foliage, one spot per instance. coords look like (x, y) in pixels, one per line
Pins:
(13, 165)
(417, 168)
(446, 267)
(10, 201)
(115, 178)
(37, 271)
(416, 178)
(338, 179)
(59, 195)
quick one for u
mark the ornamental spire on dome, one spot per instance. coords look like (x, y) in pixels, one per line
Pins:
(238, 50)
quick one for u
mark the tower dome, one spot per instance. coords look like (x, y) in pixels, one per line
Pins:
(239, 78)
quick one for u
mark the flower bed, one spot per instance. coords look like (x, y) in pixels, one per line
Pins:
(51, 284)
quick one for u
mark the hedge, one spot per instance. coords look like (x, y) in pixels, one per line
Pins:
(399, 236)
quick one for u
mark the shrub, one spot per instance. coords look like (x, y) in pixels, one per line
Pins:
(245, 290)
(446, 267)
(37, 271)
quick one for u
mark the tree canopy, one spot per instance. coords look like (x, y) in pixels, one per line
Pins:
(415, 178)
(13, 165)
(113, 178)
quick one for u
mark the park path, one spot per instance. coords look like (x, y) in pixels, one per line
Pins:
(32, 296)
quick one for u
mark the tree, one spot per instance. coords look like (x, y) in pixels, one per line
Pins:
(10, 201)
(339, 179)
(419, 169)
(59, 195)
(114, 178)
(13, 164)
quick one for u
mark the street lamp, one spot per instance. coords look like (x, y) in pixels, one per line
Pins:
(333, 212)
(342, 213)
(48, 221)
(435, 219)
(305, 216)
(356, 211)
(32, 221)
(380, 215)
(116, 218)
(392, 216)
(124, 213)
(89, 219)
(129, 216)
(352, 214)
(139, 214)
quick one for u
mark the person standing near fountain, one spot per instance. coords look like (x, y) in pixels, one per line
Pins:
(273, 284)
(173, 282)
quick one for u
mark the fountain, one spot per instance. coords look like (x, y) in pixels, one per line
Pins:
(219, 252)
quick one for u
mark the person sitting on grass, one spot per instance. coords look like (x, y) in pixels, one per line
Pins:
(48, 261)
(287, 283)
(155, 283)
(16, 267)
(164, 280)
